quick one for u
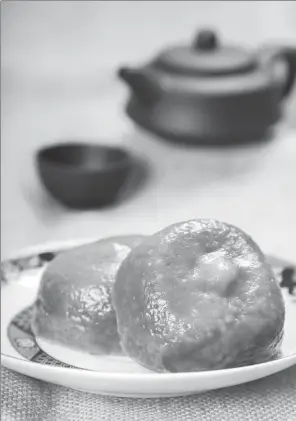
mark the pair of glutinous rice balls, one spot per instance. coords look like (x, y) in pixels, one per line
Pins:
(198, 295)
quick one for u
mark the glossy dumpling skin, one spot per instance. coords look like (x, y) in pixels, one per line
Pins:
(198, 295)
(73, 305)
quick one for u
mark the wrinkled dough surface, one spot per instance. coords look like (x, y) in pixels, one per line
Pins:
(73, 305)
(198, 295)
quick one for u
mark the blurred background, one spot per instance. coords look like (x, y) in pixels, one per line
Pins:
(58, 82)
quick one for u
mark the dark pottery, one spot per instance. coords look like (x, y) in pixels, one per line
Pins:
(207, 93)
(81, 175)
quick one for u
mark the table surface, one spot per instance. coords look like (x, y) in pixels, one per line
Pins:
(253, 187)
(269, 399)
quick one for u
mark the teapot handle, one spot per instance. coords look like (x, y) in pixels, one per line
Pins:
(270, 55)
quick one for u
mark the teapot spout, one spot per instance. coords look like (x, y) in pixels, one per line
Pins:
(142, 84)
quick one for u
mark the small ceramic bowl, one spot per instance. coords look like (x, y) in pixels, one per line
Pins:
(82, 175)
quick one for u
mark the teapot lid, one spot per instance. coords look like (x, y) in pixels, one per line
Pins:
(206, 57)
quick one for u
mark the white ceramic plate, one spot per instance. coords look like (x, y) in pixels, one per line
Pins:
(116, 376)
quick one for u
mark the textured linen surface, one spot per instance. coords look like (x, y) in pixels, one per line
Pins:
(269, 399)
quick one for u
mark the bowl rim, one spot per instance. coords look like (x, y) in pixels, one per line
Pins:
(124, 161)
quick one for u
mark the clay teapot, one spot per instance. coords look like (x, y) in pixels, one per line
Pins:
(210, 93)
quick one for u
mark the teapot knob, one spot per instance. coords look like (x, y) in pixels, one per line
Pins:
(206, 40)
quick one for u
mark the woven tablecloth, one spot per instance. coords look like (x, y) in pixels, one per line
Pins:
(269, 399)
